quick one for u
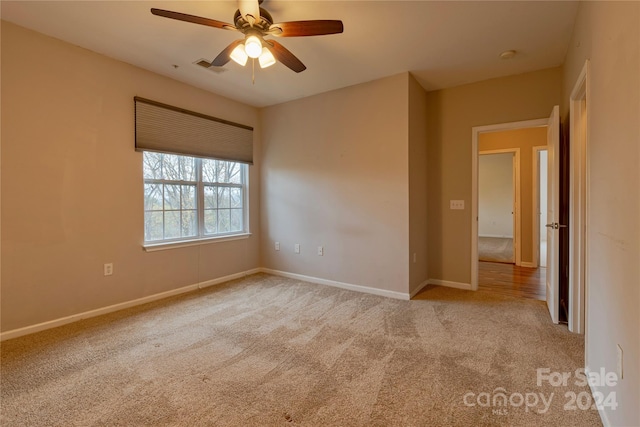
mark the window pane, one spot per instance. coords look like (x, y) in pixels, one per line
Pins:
(152, 165)
(210, 197)
(153, 226)
(236, 220)
(224, 221)
(171, 224)
(210, 222)
(170, 167)
(235, 177)
(222, 171)
(209, 172)
(229, 172)
(171, 197)
(235, 195)
(223, 197)
(188, 197)
(153, 197)
(189, 224)
(187, 167)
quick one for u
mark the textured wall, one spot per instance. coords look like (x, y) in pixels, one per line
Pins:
(418, 218)
(72, 196)
(335, 174)
(608, 33)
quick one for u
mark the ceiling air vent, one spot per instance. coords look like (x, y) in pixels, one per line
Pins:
(206, 64)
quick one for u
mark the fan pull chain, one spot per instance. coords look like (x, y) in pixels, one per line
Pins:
(253, 71)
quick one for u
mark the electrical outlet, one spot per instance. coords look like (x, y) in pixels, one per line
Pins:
(456, 204)
(620, 366)
(277, 246)
(320, 251)
(108, 269)
(296, 248)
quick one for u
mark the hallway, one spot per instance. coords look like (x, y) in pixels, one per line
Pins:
(511, 280)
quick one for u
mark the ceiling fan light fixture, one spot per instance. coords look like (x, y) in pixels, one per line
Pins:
(239, 55)
(253, 47)
(266, 58)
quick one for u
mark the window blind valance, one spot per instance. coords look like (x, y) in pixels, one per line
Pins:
(167, 129)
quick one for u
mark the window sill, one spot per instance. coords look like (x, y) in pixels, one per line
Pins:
(152, 247)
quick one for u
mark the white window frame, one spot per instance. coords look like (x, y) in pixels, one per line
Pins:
(202, 237)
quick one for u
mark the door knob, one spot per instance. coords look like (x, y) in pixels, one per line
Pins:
(555, 225)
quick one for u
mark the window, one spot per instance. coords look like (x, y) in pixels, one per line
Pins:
(187, 194)
(188, 198)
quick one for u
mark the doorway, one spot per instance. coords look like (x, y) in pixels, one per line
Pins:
(497, 197)
(521, 277)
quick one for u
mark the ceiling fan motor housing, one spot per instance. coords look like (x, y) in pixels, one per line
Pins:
(262, 24)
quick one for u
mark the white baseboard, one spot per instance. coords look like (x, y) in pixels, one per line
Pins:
(15, 333)
(498, 236)
(127, 304)
(418, 289)
(594, 389)
(449, 284)
(348, 286)
(228, 278)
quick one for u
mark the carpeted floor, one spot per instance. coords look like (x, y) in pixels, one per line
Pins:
(270, 351)
(495, 249)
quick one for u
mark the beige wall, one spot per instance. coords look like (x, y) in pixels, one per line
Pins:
(418, 242)
(72, 183)
(525, 140)
(451, 113)
(335, 174)
(608, 34)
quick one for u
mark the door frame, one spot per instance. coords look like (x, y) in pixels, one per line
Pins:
(579, 201)
(475, 135)
(552, 276)
(517, 213)
(536, 203)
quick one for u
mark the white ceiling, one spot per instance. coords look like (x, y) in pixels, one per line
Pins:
(443, 44)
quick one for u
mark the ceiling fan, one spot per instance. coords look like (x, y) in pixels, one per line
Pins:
(256, 23)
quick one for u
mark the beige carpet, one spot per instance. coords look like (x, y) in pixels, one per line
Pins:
(269, 351)
(495, 249)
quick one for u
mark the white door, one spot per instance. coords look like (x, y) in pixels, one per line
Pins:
(553, 213)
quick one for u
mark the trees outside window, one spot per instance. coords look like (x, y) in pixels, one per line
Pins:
(187, 198)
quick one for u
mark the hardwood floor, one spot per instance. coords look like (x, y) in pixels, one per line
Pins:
(511, 280)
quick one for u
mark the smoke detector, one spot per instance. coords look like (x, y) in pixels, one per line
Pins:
(508, 54)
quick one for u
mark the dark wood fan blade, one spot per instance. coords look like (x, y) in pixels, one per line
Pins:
(283, 55)
(193, 19)
(306, 28)
(224, 57)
